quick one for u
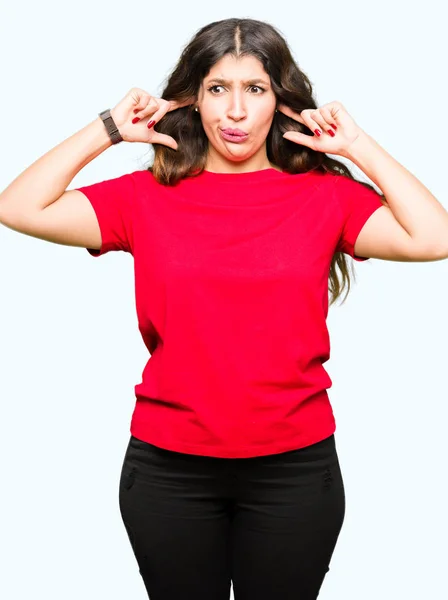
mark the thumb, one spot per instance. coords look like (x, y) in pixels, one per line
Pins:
(161, 138)
(165, 140)
(300, 138)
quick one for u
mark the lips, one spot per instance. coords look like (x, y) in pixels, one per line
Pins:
(230, 131)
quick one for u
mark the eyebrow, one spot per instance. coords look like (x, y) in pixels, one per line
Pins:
(225, 81)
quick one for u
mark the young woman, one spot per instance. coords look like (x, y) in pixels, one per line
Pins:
(231, 474)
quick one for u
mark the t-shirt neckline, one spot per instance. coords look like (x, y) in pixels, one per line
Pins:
(247, 175)
(251, 188)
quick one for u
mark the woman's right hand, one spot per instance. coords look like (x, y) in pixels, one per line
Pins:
(148, 108)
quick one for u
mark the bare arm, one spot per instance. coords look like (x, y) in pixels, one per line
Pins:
(48, 177)
(36, 203)
(70, 220)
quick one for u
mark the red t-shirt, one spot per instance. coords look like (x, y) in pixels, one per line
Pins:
(231, 287)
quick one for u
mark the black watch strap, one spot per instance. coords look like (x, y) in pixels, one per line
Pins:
(111, 127)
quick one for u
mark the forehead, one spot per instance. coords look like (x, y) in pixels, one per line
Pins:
(237, 69)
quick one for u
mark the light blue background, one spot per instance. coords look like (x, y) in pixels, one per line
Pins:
(70, 350)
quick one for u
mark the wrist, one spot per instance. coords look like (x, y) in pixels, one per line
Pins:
(358, 147)
(107, 116)
(103, 136)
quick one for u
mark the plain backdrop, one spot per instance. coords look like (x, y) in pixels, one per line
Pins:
(70, 350)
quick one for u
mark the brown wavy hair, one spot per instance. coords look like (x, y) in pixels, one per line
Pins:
(291, 86)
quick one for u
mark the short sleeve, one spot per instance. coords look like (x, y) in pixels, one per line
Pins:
(113, 201)
(357, 203)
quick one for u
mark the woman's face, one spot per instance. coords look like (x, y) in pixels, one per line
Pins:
(237, 94)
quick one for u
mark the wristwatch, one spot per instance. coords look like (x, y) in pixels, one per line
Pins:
(111, 127)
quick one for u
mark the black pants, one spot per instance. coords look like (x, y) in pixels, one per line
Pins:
(267, 524)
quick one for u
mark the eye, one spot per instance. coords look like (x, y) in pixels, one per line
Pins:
(252, 86)
(213, 87)
(259, 87)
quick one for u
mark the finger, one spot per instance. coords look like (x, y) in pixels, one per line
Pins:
(290, 113)
(142, 102)
(301, 138)
(175, 104)
(165, 140)
(310, 122)
(318, 118)
(326, 112)
(151, 107)
(159, 114)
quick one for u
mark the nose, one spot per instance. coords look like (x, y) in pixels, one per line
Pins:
(236, 110)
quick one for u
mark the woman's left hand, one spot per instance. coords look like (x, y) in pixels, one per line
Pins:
(329, 117)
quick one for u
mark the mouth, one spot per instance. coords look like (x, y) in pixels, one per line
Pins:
(235, 131)
(237, 136)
